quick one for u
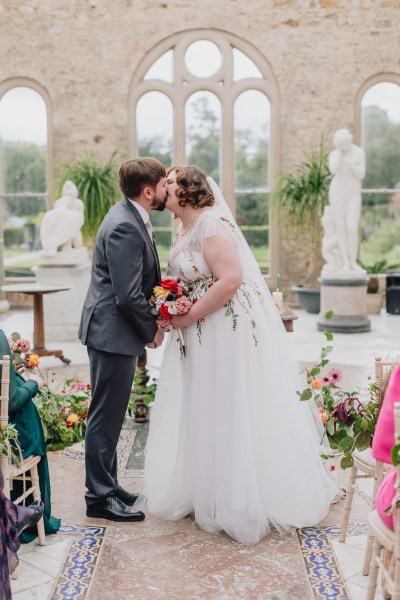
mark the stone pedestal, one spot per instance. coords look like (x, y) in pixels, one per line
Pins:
(347, 298)
(62, 311)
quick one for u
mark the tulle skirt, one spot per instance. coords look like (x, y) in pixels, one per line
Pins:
(229, 439)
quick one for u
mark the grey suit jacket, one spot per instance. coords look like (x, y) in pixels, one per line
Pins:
(116, 316)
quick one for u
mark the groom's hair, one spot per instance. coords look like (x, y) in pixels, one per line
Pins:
(136, 174)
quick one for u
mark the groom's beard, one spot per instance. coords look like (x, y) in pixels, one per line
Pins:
(161, 206)
(158, 204)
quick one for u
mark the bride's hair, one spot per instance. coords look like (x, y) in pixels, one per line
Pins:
(193, 187)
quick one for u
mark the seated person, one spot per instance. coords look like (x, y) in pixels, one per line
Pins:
(13, 520)
(24, 415)
(382, 445)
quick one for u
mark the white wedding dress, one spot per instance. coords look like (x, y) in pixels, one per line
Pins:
(229, 439)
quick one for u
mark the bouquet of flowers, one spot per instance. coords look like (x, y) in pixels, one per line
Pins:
(170, 297)
(20, 352)
(63, 410)
(349, 423)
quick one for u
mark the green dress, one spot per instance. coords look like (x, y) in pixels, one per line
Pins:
(24, 415)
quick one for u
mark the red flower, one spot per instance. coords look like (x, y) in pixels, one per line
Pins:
(169, 283)
(84, 416)
(332, 468)
(164, 312)
(88, 386)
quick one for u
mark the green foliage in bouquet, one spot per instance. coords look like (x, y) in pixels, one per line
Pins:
(63, 413)
(9, 443)
(349, 423)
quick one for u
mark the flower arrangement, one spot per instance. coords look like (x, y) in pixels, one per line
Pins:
(64, 412)
(19, 348)
(170, 297)
(349, 423)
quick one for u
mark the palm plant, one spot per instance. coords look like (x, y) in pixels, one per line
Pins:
(97, 186)
(380, 266)
(299, 200)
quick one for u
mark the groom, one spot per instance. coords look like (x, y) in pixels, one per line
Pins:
(116, 324)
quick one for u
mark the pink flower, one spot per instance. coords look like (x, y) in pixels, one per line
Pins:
(335, 375)
(182, 305)
(23, 345)
(77, 385)
(164, 324)
(12, 345)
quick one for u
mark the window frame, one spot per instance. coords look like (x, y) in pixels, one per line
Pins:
(227, 94)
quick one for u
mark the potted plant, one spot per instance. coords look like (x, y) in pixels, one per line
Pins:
(299, 199)
(97, 186)
(375, 293)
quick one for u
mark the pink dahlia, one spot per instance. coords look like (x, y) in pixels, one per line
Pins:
(335, 375)
(12, 345)
(182, 305)
(23, 345)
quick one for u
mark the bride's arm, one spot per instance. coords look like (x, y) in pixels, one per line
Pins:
(223, 260)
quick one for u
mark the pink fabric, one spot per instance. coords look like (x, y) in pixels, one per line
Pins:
(382, 445)
(384, 497)
(383, 441)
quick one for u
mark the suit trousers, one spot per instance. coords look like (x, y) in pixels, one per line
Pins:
(111, 377)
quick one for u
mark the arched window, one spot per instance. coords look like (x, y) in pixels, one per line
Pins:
(380, 138)
(210, 99)
(24, 171)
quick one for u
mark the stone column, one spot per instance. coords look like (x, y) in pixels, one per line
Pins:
(347, 298)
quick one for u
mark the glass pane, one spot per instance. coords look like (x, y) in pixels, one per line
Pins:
(23, 137)
(252, 117)
(380, 228)
(203, 58)
(203, 132)
(243, 67)
(252, 212)
(380, 108)
(154, 128)
(162, 68)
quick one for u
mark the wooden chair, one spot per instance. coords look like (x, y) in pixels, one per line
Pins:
(386, 541)
(26, 470)
(366, 467)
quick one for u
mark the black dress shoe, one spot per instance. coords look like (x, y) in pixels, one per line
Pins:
(31, 520)
(126, 497)
(113, 509)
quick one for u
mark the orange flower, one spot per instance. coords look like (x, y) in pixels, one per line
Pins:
(320, 409)
(324, 417)
(33, 361)
(84, 416)
(316, 384)
(72, 419)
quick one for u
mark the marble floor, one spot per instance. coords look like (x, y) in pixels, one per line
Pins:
(100, 560)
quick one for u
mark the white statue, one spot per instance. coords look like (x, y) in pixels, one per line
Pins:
(330, 249)
(347, 163)
(60, 230)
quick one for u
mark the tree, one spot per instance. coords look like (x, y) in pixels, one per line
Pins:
(24, 170)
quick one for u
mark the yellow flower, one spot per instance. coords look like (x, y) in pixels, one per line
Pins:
(72, 419)
(160, 292)
(33, 361)
(316, 384)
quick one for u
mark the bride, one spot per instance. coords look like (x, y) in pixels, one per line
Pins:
(229, 439)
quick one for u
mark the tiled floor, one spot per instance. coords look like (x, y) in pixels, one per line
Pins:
(157, 559)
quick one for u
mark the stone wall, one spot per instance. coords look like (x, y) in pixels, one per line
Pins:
(85, 52)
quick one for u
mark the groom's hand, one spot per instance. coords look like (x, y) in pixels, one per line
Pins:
(158, 340)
